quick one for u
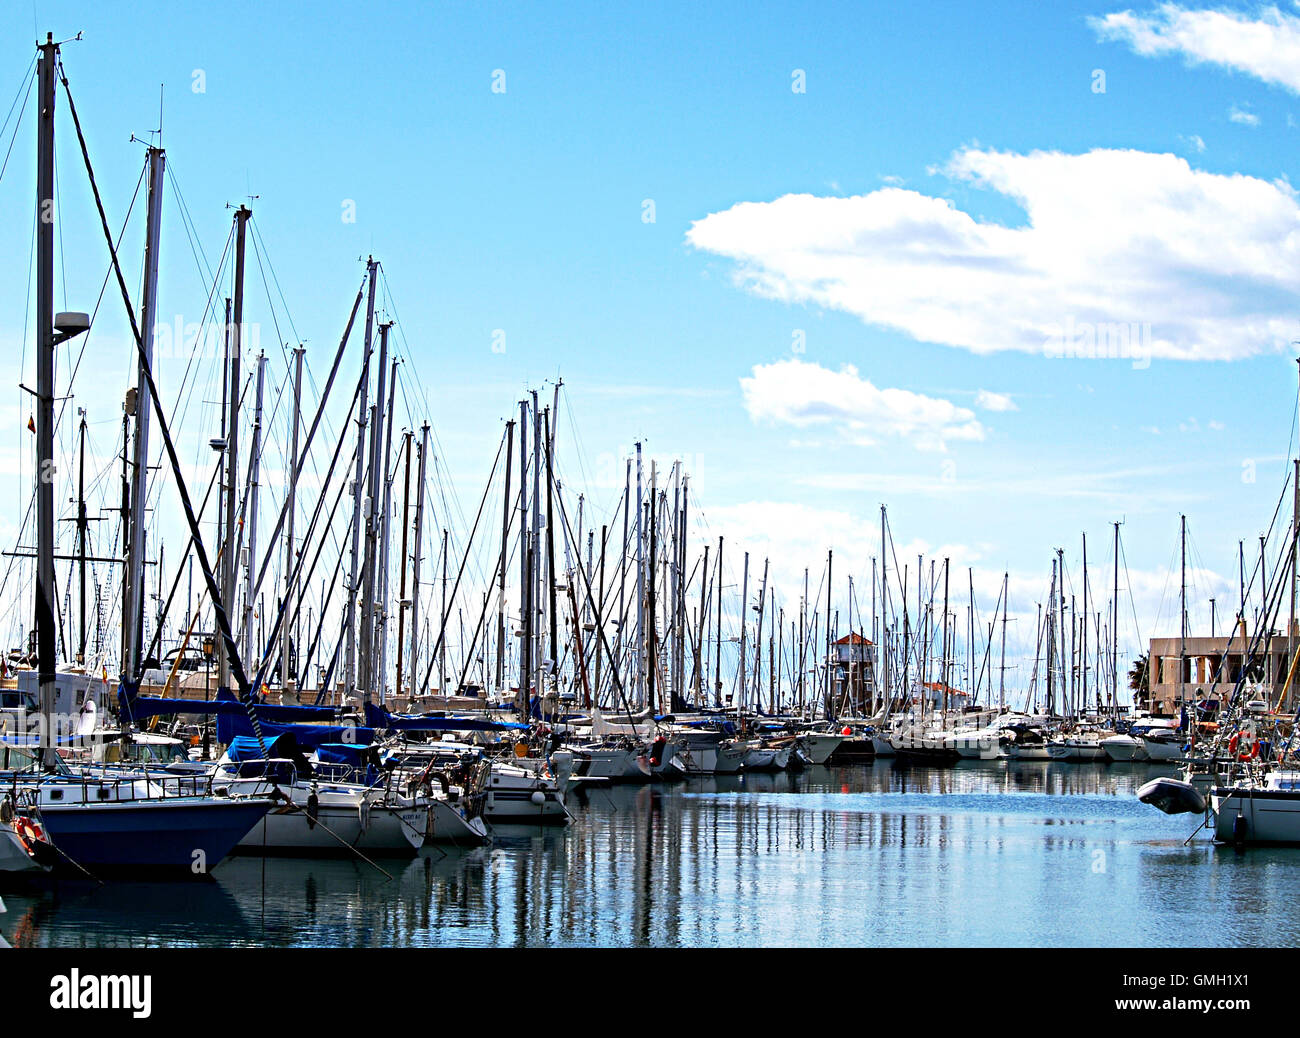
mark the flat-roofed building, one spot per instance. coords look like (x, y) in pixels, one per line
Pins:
(1211, 668)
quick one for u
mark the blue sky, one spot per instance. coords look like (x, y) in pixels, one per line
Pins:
(524, 211)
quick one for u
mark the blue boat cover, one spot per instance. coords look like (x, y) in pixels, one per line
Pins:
(378, 717)
(246, 747)
(307, 736)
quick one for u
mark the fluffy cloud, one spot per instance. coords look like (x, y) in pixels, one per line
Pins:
(802, 394)
(990, 401)
(1265, 45)
(1245, 118)
(1122, 254)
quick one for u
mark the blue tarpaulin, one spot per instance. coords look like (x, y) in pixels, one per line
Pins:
(378, 717)
(307, 736)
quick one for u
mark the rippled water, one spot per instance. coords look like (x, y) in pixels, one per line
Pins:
(986, 853)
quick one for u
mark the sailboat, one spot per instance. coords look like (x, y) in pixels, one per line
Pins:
(98, 824)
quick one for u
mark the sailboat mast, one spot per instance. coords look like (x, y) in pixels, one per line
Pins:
(419, 552)
(501, 574)
(830, 558)
(717, 649)
(1114, 633)
(133, 588)
(358, 519)
(1182, 602)
(1002, 668)
(254, 475)
(296, 423)
(235, 337)
(385, 538)
(82, 524)
(640, 588)
(45, 333)
(375, 465)
(408, 439)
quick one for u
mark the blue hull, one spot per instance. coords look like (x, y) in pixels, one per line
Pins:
(161, 835)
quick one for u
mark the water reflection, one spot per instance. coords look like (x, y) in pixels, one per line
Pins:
(983, 853)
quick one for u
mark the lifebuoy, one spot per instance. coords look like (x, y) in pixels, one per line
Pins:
(1246, 748)
(29, 833)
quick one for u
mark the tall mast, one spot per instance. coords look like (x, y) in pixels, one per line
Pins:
(553, 619)
(758, 640)
(717, 645)
(1002, 669)
(133, 587)
(1051, 645)
(235, 337)
(1083, 651)
(943, 663)
(501, 587)
(254, 475)
(376, 465)
(403, 604)
(704, 610)
(640, 587)
(830, 555)
(600, 617)
(535, 572)
(652, 646)
(1182, 602)
(82, 524)
(1295, 532)
(358, 518)
(525, 558)
(1114, 633)
(289, 555)
(622, 572)
(882, 650)
(744, 628)
(419, 550)
(803, 635)
(46, 342)
(442, 640)
(385, 536)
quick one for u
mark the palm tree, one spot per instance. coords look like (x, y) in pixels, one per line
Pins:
(1139, 678)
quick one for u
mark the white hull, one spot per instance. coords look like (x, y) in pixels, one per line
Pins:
(611, 764)
(978, 745)
(514, 793)
(1272, 816)
(1079, 750)
(448, 824)
(819, 746)
(288, 830)
(696, 760)
(13, 855)
(731, 758)
(344, 817)
(1124, 749)
(1159, 750)
(883, 746)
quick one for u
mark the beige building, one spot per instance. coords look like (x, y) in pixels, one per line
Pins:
(1211, 668)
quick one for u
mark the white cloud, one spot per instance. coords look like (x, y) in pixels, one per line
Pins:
(1191, 265)
(1239, 115)
(1195, 141)
(804, 394)
(1265, 45)
(990, 401)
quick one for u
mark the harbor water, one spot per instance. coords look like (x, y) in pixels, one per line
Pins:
(994, 853)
